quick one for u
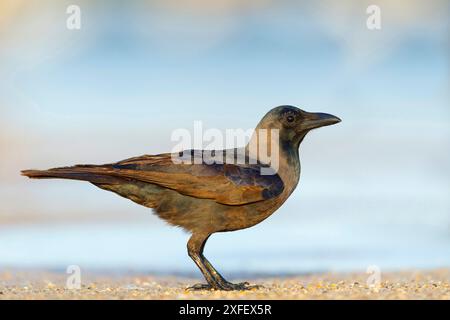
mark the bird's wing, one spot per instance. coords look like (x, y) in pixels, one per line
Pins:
(228, 184)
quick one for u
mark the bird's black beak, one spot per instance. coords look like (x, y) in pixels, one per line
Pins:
(317, 120)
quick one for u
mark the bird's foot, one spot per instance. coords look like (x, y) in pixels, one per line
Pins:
(199, 286)
(226, 286)
(242, 286)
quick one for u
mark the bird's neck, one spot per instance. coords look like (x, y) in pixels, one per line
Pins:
(282, 156)
(289, 167)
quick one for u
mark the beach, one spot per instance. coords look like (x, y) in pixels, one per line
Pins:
(433, 284)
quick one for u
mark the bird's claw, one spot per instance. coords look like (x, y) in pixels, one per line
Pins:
(226, 286)
(242, 286)
(199, 286)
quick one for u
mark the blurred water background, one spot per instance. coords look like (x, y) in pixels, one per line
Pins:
(374, 189)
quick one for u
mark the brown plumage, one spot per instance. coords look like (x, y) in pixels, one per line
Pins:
(207, 198)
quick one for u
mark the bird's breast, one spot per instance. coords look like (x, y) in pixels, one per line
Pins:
(290, 175)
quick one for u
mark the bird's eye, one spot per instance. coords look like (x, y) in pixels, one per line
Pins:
(289, 118)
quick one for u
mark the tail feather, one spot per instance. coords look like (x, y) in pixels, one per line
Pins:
(89, 173)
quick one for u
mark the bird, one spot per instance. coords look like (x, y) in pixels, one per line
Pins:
(206, 198)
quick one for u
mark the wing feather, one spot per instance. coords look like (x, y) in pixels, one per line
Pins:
(229, 184)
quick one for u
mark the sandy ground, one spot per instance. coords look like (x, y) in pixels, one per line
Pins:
(433, 284)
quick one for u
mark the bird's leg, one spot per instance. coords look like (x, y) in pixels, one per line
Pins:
(215, 280)
(195, 248)
(224, 283)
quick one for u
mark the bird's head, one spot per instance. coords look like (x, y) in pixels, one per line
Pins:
(293, 123)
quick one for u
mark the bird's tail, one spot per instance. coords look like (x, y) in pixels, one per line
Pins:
(91, 173)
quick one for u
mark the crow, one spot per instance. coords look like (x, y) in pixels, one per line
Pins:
(231, 193)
